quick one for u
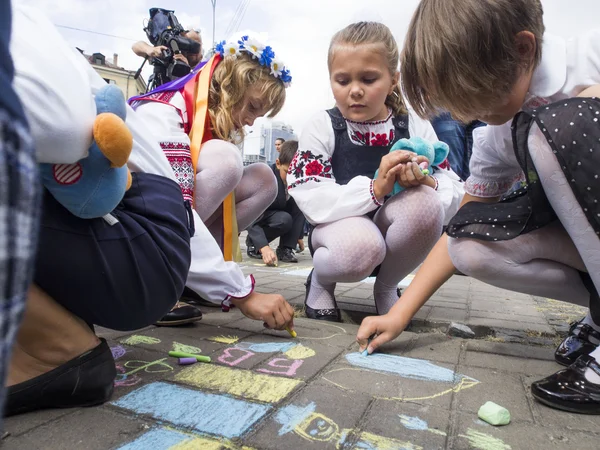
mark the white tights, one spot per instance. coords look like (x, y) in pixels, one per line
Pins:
(221, 171)
(544, 262)
(399, 237)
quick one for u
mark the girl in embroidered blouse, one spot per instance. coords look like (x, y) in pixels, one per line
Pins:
(199, 119)
(359, 230)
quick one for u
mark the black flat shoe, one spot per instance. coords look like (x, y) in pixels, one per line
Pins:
(576, 344)
(569, 390)
(251, 250)
(87, 380)
(192, 298)
(180, 315)
(329, 315)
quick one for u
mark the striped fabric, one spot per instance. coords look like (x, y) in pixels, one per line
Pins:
(19, 221)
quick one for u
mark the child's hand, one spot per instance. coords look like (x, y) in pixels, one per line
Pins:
(272, 309)
(268, 256)
(389, 167)
(411, 175)
(385, 328)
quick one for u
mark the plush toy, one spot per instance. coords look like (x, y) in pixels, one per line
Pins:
(435, 152)
(93, 186)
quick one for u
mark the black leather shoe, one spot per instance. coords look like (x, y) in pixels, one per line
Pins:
(285, 254)
(251, 250)
(329, 315)
(576, 344)
(87, 380)
(569, 390)
(192, 298)
(181, 314)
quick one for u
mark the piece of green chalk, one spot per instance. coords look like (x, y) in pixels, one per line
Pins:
(494, 414)
(200, 358)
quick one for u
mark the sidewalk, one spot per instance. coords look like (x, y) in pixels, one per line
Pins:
(264, 390)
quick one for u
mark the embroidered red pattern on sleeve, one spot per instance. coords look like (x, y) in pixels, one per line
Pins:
(180, 158)
(307, 166)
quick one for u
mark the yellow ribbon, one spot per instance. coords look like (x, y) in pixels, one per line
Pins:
(231, 244)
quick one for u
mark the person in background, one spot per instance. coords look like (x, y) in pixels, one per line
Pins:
(278, 143)
(283, 219)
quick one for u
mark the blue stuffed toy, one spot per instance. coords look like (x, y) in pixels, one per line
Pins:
(435, 152)
(93, 186)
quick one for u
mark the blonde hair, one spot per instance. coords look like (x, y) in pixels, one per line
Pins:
(373, 33)
(230, 81)
(461, 55)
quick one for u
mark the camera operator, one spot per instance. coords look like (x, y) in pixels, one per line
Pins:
(145, 50)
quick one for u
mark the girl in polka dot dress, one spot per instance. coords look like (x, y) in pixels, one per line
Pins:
(543, 239)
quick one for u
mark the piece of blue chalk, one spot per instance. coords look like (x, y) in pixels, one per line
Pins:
(187, 361)
(366, 350)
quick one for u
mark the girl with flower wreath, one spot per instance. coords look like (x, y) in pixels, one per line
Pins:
(198, 120)
(359, 231)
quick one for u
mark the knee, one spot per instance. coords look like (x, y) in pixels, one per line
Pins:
(284, 222)
(264, 180)
(471, 257)
(222, 157)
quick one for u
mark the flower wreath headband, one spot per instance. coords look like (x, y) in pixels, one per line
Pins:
(263, 53)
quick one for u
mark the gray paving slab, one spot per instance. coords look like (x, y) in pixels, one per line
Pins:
(408, 424)
(500, 387)
(17, 425)
(435, 347)
(315, 418)
(90, 429)
(510, 324)
(474, 434)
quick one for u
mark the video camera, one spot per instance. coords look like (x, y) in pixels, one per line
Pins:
(163, 28)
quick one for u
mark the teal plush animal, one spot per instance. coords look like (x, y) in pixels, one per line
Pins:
(435, 152)
(93, 186)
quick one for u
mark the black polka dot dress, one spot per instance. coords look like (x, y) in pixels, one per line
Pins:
(572, 129)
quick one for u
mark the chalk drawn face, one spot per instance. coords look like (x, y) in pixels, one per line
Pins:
(317, 427)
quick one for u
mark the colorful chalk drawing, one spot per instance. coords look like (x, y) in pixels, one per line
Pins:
(482, 441)
(198, 411)
(300, 352)
(127, 374)
(224, 339)
(415, 423)
(416, 369)
(170, 439)
(266, 347)
(118, 351)
(312, 426)
(242, 383)
(137, 339)
(178, 347)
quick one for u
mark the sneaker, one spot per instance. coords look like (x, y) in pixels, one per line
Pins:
(285, 254)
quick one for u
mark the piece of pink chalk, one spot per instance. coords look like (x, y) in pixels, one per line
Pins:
(187, 361)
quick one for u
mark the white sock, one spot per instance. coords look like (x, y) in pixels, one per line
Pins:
(587, 320)
(590, 375)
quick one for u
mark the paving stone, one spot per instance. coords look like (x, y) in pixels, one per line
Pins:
(511, 363)
(510, 324)
(193, 336)
(510, 316)
(503, 388)
(444, 303)
(221, 318)
(139, 366)
(435, 347)
(334, 334)
(446, 315)
(89, 428)
(423, 313)
(290, 363)
(517, 350)
(17, 425)
(387, 385)
(472, 433)
(317, 417)
(425, 426)
(359, 293)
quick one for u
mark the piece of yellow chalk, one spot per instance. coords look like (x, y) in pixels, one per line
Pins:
(292, 332)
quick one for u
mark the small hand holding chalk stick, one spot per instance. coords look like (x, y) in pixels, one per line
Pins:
(366, 350)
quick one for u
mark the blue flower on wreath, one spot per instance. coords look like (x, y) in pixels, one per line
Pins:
(242, 41)
(285, 76)
(267, 56)
(220, 47)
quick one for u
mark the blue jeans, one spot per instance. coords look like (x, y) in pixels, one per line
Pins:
(459, 138)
